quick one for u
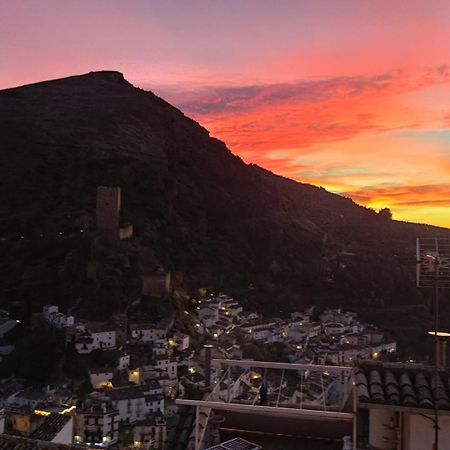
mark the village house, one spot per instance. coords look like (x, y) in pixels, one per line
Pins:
(168, 365)
(97, 424)
(147, 332)
(133, 403)
(96, 337)
(182, 340)
(43, 426)
(55, 318)
(151, 432)
(208, 316)
(123, 362)
(100, 378)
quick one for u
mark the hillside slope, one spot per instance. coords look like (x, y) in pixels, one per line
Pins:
(213, 220)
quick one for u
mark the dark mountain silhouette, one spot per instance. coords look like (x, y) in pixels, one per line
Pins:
(203, 213)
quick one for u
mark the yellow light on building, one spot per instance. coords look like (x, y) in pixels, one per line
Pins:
(68, 410)
(40, 412)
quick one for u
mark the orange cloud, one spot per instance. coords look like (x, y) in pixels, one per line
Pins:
(359, 136)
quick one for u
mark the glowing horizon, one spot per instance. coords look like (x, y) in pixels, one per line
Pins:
(351, 95)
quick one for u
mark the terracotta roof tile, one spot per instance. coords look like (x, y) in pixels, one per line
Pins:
(402, 385)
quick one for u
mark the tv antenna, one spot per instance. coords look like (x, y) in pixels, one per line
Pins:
(433, 272)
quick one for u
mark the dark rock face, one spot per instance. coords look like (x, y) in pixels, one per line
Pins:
(205, 215)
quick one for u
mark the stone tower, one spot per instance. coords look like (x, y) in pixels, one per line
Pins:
(107, 214)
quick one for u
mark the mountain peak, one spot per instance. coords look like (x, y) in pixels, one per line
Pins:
(109, 75)
(207, 216)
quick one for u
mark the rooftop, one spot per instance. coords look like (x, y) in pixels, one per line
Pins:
(51, 426)
(402, 385)
(124, 393)
(8, 442)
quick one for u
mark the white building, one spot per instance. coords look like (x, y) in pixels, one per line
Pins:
(208, 312)
(146, 332)
(160, 347)
(151, 432)
(97, 337)
(182, 340)
(97, 424)
(167, 364)
(334, 328)
(129, 401)
(123, 361)
(101, 377)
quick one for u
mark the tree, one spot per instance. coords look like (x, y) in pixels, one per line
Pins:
(385, 213)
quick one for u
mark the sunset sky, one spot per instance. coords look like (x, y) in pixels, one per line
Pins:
(351, 95)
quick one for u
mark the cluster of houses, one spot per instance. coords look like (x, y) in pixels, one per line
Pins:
(136, 389)
(150, 365)
(333, 337)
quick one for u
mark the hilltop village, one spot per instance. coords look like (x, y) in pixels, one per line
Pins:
(131, 368)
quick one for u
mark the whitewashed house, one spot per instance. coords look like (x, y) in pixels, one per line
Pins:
(101, 377)
(147, 332)
(182, 340)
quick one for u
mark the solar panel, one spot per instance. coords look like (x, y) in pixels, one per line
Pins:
(236, 444)
(433, 262)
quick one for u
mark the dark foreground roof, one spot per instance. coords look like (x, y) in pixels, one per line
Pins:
(412, 386)
(51, 426)
(8, 442)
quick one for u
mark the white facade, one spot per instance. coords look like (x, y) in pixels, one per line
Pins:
(97, 425)
(104, 339)
(169, 365)
(147, 333)
(160, 347)
(154, 403)
(130, 409)
(334, 328)
(100, 377)
(418, 432)
(124, 362)
(183, 341)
